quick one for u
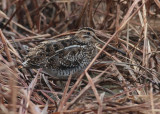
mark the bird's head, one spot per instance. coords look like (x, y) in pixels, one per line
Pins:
(87, 35)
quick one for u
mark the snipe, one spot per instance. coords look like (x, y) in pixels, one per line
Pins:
(64, 57)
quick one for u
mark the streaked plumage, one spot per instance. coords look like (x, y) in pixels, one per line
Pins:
(64, 57)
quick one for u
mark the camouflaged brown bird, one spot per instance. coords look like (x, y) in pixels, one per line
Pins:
(70, 55)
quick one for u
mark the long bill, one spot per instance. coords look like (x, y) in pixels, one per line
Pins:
(102, 42)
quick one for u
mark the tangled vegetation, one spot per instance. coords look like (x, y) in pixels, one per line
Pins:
(113, 83)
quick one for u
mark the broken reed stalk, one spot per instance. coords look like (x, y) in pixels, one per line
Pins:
(14, 73)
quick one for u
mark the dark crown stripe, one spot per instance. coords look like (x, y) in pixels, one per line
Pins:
(87, 28)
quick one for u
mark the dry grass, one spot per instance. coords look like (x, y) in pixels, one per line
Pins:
(115, 84)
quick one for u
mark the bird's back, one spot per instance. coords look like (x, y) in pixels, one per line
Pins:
(61, 57)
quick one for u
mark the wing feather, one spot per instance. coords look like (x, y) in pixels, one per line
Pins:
(69, 57)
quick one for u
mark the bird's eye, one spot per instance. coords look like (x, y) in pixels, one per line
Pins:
(88, 33)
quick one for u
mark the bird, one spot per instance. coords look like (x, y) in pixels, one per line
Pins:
(67, 56)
